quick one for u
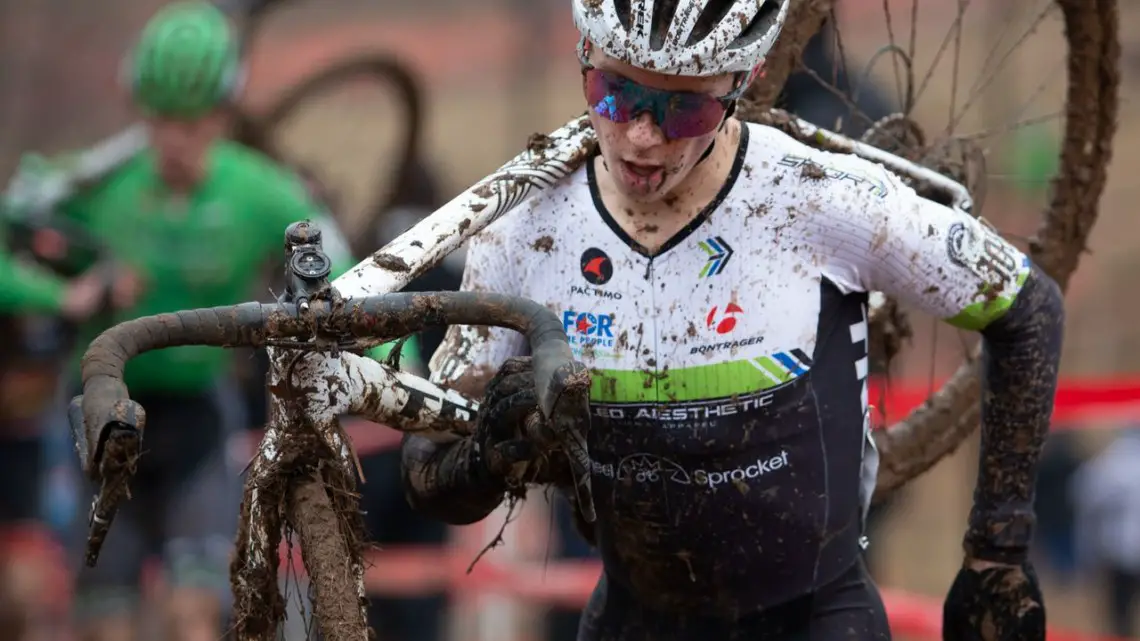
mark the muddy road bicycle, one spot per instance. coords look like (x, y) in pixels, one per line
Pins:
(303, 476)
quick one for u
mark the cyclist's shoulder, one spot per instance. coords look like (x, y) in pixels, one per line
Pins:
(786, 170)
(121, 184)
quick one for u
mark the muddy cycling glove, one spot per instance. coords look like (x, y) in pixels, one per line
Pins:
(997, 604)
(513, 443)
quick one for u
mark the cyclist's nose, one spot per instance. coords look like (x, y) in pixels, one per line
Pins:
(643, 131)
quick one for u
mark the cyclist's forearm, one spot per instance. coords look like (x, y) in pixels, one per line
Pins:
(1021, 358)
(446, 481)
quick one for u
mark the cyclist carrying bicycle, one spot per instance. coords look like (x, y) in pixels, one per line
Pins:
(714, 275)
(193, 218)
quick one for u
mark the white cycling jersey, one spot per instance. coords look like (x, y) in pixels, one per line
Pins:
(729, 401)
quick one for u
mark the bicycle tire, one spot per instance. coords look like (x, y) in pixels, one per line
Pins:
(331, 555)
(384, 69)
(950, 415)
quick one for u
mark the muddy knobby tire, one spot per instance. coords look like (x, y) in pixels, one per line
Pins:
(331, 556)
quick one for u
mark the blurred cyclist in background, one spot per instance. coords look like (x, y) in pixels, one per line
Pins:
(190, 222)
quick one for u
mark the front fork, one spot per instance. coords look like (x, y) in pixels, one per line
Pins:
(287, 444)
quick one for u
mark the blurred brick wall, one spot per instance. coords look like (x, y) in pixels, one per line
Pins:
(58, 61)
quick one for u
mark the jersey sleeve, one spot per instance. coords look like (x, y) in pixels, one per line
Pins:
(880, 235)
(469, 356)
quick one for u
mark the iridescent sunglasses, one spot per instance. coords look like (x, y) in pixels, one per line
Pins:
(680, 114)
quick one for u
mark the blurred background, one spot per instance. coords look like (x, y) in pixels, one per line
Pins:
(493, 72)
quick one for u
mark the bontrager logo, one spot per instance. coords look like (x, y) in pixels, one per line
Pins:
(648, 468)
(725, 321)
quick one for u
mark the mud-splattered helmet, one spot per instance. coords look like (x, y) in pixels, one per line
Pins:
(682, 37)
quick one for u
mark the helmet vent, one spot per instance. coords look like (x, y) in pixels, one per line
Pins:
(712, 14)
(663, 13)
(624, 14)
(762, 23)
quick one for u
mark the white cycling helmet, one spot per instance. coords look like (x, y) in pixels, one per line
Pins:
(682, 37)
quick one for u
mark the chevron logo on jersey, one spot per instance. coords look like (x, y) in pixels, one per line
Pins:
(719, 253)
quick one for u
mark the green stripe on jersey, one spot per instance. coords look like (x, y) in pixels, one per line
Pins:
(702, 382)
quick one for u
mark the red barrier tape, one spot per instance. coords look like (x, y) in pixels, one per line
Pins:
(1078, 399)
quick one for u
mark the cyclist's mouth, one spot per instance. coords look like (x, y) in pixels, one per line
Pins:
(642, 177)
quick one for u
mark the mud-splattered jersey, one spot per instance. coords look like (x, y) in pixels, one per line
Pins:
(730, 448)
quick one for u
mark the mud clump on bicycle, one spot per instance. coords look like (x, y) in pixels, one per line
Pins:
(390, 262)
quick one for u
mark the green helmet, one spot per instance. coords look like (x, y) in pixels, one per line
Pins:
(186, 61)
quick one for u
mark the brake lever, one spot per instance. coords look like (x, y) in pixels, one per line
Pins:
(568, 423)
(121, 451)
(114, 458)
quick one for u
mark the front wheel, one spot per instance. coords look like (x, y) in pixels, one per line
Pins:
(330, 547)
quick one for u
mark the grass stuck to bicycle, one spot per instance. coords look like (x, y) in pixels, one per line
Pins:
(303, 476)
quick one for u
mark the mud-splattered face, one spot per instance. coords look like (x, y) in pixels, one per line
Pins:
(645, 165)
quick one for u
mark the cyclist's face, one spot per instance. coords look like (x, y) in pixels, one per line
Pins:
(645, 164)
(181, 146)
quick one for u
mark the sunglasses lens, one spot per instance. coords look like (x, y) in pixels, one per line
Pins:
(691, 115)
(608, 96)
(679, 114)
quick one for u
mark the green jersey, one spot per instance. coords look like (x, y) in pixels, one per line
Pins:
(203, 249)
